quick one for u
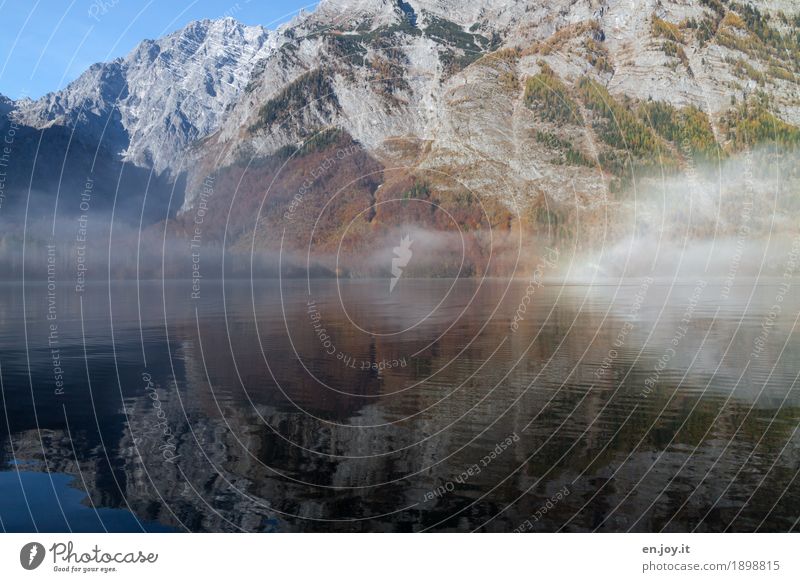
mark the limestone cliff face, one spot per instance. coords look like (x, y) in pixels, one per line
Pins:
(449, 76)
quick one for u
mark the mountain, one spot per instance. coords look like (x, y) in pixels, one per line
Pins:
(530, 123)
(120, 130)
(493, 128)
(164, 95)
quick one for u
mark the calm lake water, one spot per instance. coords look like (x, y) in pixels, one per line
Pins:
(444, 405)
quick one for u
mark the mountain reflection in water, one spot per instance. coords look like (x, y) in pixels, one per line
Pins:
(611, 408)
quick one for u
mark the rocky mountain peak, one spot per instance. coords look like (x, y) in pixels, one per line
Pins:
(162, 96)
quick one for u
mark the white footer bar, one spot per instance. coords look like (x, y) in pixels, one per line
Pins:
(380, 557)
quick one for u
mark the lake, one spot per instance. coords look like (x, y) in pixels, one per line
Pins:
(441, 405)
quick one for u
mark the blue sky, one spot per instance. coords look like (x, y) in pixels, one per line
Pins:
(45, 44)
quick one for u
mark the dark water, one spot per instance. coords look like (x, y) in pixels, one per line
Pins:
(638, 407)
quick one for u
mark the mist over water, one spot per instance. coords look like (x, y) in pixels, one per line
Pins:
(736, 218)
